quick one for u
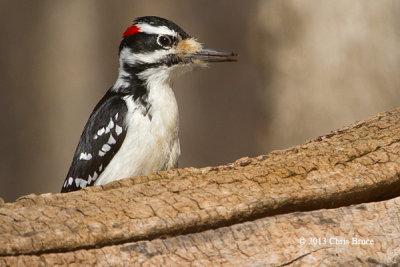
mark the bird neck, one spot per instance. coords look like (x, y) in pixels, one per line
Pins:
(129, 82)
(151, 89)
(149, 86)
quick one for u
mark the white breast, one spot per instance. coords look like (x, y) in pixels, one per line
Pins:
(150, 145)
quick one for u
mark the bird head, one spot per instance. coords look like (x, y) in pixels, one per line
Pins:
(156, 46)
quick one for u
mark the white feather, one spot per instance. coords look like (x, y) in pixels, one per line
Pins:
(110, 124)
(127, 56)
(118, 129)
(149, 29)
(85, 156)
(83, 183)
(101, 131)
(121, 82)
(111, 140)
(106, 148)
(152, 144)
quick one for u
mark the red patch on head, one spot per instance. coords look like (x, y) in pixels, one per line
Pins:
(131, 30)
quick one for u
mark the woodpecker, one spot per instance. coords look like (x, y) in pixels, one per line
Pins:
(133, 130)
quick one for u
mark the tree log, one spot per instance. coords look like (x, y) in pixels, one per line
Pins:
(271, 209)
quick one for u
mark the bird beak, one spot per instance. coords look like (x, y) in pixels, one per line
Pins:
(206, 55)
(191, 51)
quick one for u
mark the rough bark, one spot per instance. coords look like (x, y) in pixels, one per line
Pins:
(237, 214)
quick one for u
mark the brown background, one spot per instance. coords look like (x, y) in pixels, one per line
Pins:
(305, 68)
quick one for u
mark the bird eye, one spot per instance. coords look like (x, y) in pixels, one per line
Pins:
(164, 41)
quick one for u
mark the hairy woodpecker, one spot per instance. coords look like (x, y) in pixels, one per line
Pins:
(133, 130)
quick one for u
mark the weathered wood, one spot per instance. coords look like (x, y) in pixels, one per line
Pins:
(122, 221)
(269, 241)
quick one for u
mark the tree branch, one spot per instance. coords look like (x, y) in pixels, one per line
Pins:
(227, 214)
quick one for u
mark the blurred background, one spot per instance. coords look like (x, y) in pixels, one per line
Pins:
(305, 68)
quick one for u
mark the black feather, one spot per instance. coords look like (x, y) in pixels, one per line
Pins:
(111, 104)
(157, 21)
(143, 42)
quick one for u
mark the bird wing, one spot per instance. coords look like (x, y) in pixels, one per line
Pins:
(100, 141)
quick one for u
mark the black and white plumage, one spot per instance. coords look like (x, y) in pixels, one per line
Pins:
(133, 130)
